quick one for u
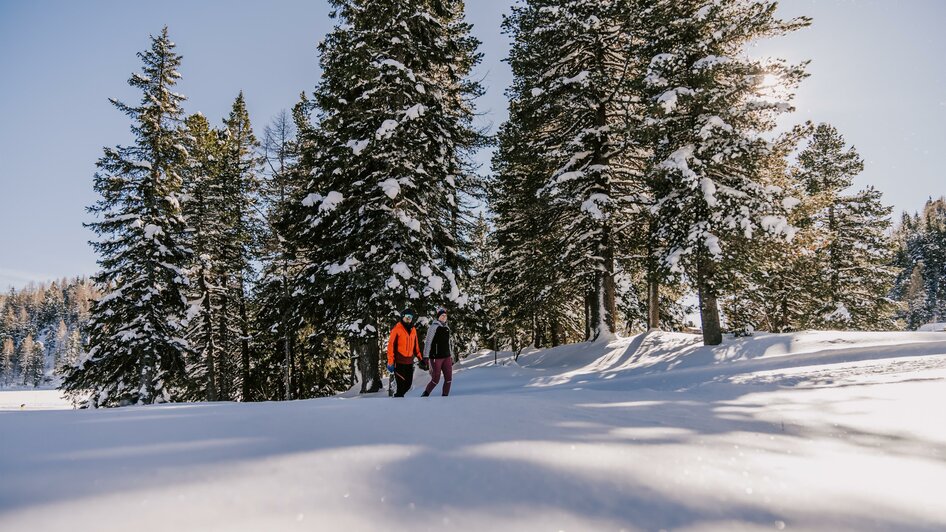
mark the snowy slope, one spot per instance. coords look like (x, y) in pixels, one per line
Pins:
(808, 431)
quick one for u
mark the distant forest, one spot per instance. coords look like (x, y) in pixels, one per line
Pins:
(42, 330)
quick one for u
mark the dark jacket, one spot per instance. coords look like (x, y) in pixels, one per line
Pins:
(437, 342)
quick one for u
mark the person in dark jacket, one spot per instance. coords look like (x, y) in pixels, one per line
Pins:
(438, 350)
(402, 348)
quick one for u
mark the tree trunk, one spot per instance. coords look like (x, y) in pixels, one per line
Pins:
(653, 303)
(211, 355)
(605, 308)
(223, 382)
(373, 359)
(594, 306)
(287, 352)
(588, 314)
(709, 307)
(244, 344)
(608, 286)
(653, 284)
(535, 329)
(358, 346)
(833, 260)
(557, 333)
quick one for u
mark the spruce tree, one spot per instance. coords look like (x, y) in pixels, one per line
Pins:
(570, 107)
(277, 322)
(529, 283)
(59, 344)
(859, 259)
(240, 188)
(849, 243)
(920, 257)
(482, 310)
(7, 361)
(73, 351)
(137, 352)
(773, 289)
(207, 227)
(31, 361)
(915, 300)
(381, 224)
(712, 105)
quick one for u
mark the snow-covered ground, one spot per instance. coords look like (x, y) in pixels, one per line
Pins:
(38, 399)
(806, 431)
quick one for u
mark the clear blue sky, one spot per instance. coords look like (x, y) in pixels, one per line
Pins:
(878, 74)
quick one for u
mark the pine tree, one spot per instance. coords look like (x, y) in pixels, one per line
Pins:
(920, 256)
(59, 344)
(573, 62)
(276, 325)
(203, 210)
(240, 171)
(136, 351)
(73, 349)
(8, 361)
(32, 362)
(381, 224)
(850, 245)
(773, 289)
(711, 105)
(859, 262)
(529, 285)
(916, 299)
(481, 312)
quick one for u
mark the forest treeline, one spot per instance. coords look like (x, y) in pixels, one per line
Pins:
(640, 164)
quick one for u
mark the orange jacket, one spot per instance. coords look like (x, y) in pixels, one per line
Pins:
(404, 345)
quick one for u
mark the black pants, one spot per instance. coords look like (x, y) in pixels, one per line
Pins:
(404, 375)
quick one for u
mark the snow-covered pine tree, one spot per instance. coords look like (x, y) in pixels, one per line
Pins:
(915, 311)
(207, 227)
(712, 105)
(850, 247)
(73, 350)
(7, 361)
(859, 258)
(137, 351)
(934, 215)
(772, 289)
(573, 61)
(305, 357)
(380, 226)
(482, 310)
(32, 361)
(275, 323)
(59, 344)
(239, 167)
(529, 287)
(921, 259)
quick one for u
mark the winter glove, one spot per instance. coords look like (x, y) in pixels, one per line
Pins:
(423, 365)
(390, 368)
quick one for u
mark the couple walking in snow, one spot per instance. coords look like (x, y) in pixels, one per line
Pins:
(437, 356)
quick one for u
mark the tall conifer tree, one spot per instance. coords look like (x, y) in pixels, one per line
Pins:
(712, 104)
(381, 223)
(137, 350)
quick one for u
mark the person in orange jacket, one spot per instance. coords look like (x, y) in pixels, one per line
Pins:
(402, 348)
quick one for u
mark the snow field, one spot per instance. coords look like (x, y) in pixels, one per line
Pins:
(805, 431)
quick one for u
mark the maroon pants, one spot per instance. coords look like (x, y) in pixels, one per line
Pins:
(436, 366)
